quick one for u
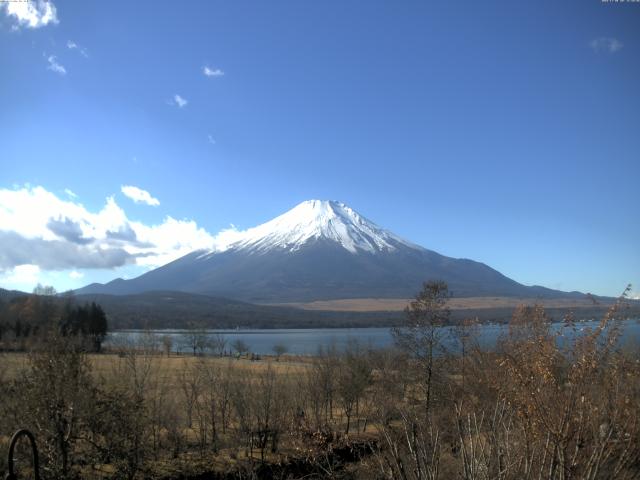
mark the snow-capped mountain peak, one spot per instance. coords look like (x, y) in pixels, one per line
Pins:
(318, 250)
(314, 220)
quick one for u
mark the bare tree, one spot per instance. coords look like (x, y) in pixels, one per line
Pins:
(189, 383)
(279, 349)
(218, 344)
(58, 395)
(411, 449)
(148, 343)
(208, 403)
(466, 334)
(354, 376)
(157, 401)
(420, 335)
(197, 340)
(117, 431)
(262, 408)
(44, 290)
(167, 344)
(240, 346)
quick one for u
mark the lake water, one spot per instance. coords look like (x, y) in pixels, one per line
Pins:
(308, 341)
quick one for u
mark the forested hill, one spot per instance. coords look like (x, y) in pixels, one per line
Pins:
(8, 295)
(167, 309)
(155, 310)
(185, 310)
(31, 319)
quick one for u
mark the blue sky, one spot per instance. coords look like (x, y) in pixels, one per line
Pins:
(505, 132)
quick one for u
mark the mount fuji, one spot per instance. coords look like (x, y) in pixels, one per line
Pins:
(319, 250)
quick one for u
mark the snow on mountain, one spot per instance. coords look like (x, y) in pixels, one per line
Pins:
(319, 250)
(313, 220)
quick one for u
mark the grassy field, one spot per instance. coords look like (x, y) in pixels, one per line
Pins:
(105, 364)
(137, 413)
(470, 303)
(166, 378)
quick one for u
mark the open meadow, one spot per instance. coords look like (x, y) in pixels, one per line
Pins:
(535, 403)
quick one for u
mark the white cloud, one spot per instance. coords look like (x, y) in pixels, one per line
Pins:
(54, 66)
(70, 193)
(30, 14)
(606, 44)
(228, 236)
(38, 229)
(139, 196)
(212, 140)
(178, 101)
(172, 239)
(21, 275)
(212, 72)
(71, 45)
(76, 274)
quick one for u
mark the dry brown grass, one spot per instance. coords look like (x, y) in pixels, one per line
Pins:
(399, 304)
(528, 402)
(104, 365)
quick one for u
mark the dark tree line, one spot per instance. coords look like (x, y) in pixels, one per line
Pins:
(88, 320)
(28, 319)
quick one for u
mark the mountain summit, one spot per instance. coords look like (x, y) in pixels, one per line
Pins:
(313, 220)
(319, 250)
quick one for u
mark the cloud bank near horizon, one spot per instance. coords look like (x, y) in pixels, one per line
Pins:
(40, 231)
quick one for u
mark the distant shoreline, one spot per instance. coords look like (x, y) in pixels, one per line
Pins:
(462, 303)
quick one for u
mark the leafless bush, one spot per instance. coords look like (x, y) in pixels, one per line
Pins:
(353, 379)
(57, 392)
(410, 449)
(262, 409)
(571, 400)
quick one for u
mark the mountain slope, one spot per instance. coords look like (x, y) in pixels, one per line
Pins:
(319, 250)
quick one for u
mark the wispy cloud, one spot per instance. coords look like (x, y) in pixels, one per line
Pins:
(178, 101)
(71, 45)
(54, 66)
(212, 140)
(70, 192)
(212, 72)
(139, 196)
(606, 44)
(30, 14)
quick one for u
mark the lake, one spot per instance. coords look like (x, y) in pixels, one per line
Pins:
(308, 341)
